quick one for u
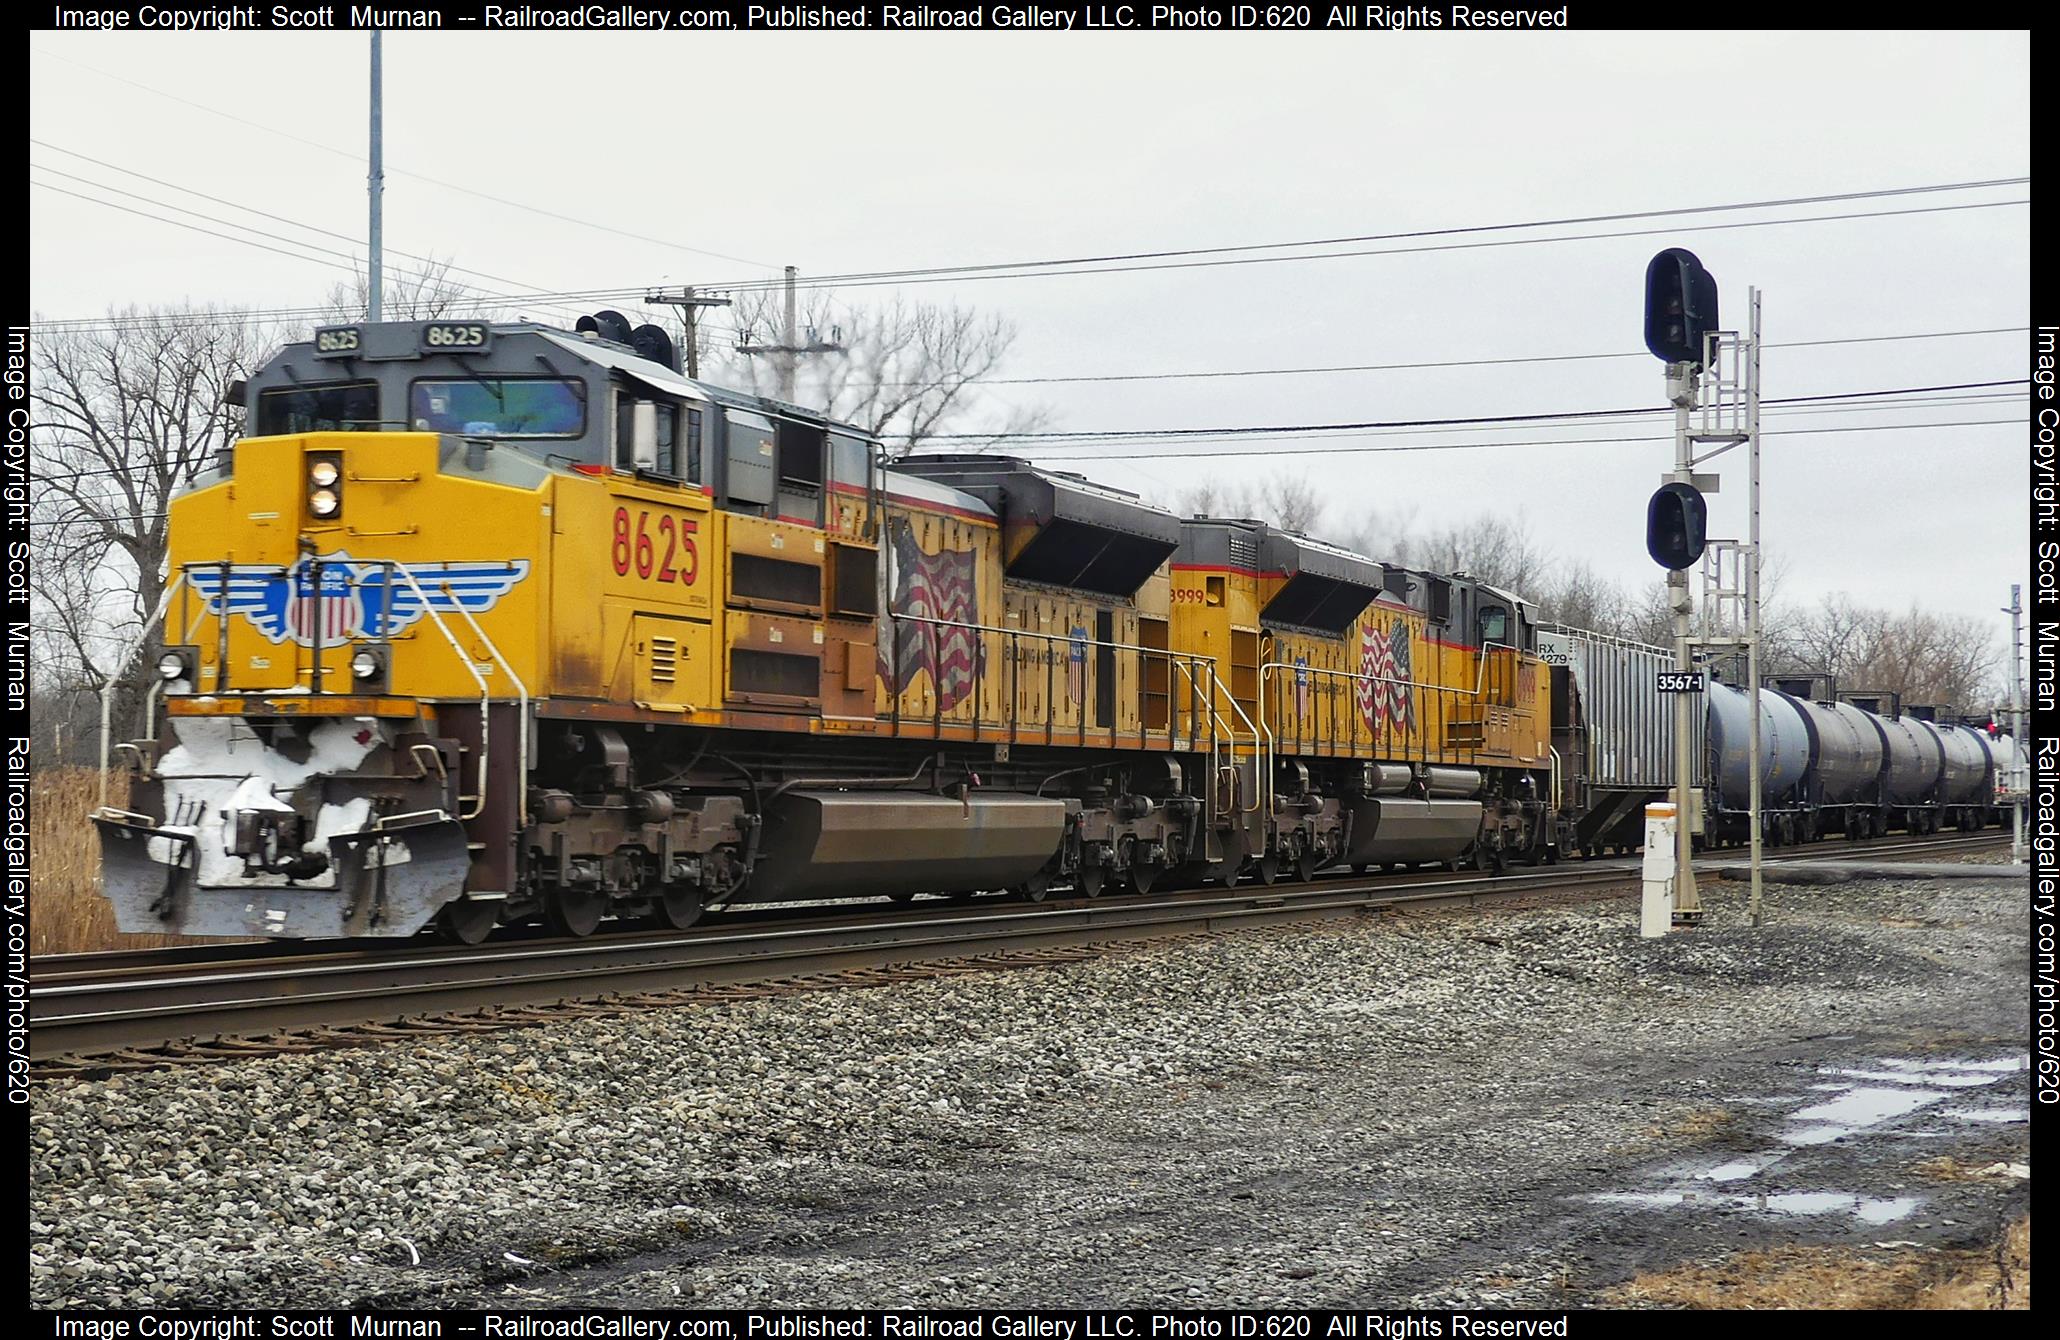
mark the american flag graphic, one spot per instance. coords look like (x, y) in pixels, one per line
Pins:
(1384, 653)
(933, 586)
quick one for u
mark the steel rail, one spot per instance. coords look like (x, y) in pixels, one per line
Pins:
(90, 1012)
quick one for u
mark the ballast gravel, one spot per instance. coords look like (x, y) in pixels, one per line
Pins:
(1492, 1108)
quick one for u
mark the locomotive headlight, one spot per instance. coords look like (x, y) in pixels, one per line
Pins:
(177, 663)
(325, 485)
(369, 662)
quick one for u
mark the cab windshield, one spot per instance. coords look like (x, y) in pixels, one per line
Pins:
(499, 406)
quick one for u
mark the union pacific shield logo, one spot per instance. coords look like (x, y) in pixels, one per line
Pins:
(351, 598)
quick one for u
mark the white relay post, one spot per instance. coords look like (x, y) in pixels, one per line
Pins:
(1656, 912)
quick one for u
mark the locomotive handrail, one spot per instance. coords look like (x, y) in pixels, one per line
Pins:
(1266, 724)
(1168, 653)
(485, 695)
(164, 602)
(1188, 664)
(521, 711)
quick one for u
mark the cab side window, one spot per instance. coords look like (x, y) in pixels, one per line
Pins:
(668, 463)
(1494, 622)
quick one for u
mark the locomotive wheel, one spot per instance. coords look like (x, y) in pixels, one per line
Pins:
(1089, 880)
(575, 911)
(1307, 864)
(1267, 868)
(467, 921)
(679, 909)
(1144, 876)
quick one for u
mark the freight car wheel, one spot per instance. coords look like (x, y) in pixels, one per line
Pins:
(679, 909)
(573, 912)
(467, 921)
(904, 896)
(1267, 868)
(1089, 881)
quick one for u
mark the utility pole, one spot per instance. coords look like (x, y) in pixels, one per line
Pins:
(376, 187)
(787, 336)
(2019, 746)
(787, 352)
(688, 302)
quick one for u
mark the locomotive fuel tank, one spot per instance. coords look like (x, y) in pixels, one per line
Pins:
(1915, 759)
(1400, 829)
(1967, 777)
(1784, 744)
(1848, 752)
(854, 844)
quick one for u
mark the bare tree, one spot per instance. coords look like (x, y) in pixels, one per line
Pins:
(423, 294)
(1931, 659)
(907, 372)
(126, 414)
(1290, 501)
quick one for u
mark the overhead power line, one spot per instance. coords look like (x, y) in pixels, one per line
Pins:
(354, 155)
(1448, 363)
(1845, 401)
(237, 205)
(1120, 433)
(1353, 240)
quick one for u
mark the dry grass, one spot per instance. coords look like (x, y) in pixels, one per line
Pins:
(1699, 1124)
(1836, 1277)
(67, 915)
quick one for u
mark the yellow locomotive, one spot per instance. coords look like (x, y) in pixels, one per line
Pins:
(484, 623)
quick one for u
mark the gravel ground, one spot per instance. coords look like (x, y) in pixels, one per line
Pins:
(1516, 1108)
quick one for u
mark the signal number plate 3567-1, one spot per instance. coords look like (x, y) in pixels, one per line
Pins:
(655, 545)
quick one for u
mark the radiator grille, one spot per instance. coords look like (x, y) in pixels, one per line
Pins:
(774, 672)
(1244, 551)
(753, 577)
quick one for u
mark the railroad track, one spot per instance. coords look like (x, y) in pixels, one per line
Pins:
(94, 1014)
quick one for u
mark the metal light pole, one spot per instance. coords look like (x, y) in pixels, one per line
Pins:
(2017, 741)
(1681, 390)
(376, 186)
(1752, 539)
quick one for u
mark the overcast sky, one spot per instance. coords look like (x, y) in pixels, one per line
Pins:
(873, 151)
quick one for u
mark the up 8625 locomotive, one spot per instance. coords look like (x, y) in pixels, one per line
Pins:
(488, 623)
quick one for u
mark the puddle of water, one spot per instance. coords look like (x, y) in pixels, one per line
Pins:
(2007, 1064)
(1737, 1170)
(1867, 1209)
(2005, 1114)
(1866, 1107)
(1815, 1135)
(1943, 1078)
